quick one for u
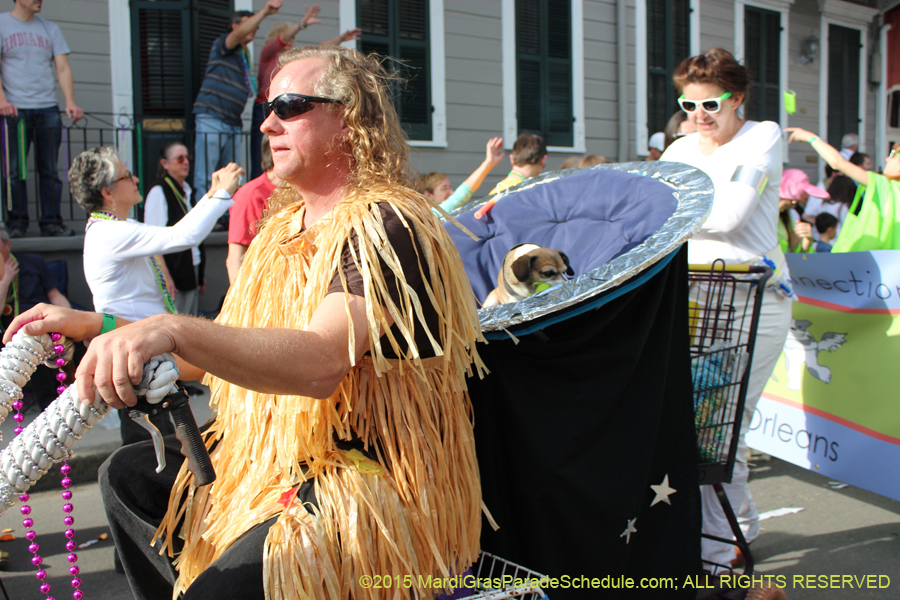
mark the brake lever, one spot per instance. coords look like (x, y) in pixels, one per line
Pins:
(192, 447)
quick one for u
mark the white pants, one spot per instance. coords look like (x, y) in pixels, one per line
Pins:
(774, 322)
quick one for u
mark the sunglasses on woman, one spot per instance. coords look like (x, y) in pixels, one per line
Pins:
(710, 105)
(288, 106)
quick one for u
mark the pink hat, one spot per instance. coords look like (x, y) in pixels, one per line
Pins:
(794, 182)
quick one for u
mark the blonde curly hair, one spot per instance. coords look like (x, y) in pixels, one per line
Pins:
(376, 142)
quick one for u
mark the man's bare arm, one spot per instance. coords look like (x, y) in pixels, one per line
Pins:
(66, 84)
(310, 362)
(251, 23)
(6, 109)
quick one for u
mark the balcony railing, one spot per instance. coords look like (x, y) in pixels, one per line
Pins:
(138, 142)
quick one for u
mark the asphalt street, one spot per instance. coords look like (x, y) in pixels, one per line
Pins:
(839, 532)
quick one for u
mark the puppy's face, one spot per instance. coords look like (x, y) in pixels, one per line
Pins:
(541, 265)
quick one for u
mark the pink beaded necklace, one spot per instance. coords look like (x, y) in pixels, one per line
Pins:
(68, 520)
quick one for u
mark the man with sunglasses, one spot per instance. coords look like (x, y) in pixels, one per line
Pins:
(227, 85)
(344, 443)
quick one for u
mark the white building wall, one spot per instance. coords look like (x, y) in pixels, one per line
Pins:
(85, 25)
(474, 72)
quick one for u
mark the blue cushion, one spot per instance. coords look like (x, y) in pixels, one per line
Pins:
(592, 216)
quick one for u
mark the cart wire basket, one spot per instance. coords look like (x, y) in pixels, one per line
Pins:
(498, 579)
(725, 303)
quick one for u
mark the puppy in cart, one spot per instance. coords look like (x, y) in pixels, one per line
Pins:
(528, 269)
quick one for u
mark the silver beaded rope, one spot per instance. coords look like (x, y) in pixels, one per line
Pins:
(47, 439)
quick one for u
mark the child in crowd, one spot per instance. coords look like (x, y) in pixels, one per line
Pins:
(436, 186)
(826, 225)
(870, 224)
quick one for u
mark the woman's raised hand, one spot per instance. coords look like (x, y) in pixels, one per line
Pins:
(798, 134)
(227, 178)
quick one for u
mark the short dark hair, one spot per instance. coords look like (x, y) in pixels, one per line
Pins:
(825, 221)
(238, 16)
(858, 158)
(529, 149)
(842, 189)
(715, 66)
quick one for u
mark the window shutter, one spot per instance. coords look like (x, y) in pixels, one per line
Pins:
(400, 28)
(161, 65)
(544, 70)
(668, 33)
(171, 40)
(762, 38)
(529, 77)
(843, 82)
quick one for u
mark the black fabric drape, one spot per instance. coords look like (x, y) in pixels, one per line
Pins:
(180, 264)
(572, 429)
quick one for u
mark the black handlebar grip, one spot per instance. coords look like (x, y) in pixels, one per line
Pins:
(192, 446)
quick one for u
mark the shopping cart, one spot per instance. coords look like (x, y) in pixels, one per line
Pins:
(498, 579)
(725, 302)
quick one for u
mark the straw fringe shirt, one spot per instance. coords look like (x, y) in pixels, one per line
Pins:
(405, 498)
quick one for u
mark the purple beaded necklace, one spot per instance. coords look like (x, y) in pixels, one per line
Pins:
(68, 520)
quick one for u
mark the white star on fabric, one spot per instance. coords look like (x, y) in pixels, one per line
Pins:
(663, 491)
(629, 530)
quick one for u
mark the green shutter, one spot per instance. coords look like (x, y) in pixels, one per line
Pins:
(400, 29)
(668, 35)
(170, 46)
(170, 40)
(762, 43)
(160, 59)
(843, 82)
(544, 70)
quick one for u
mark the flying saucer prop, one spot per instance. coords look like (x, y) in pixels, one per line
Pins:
(617, 223)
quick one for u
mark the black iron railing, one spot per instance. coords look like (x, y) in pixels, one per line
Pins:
(138, 141)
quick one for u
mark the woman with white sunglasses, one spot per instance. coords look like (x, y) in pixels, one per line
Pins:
(743, 159)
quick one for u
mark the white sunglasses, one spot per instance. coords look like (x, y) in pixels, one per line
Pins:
(710, 105)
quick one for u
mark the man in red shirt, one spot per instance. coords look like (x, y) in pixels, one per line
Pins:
(249, 203)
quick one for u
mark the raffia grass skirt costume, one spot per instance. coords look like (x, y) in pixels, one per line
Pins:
(415, 509)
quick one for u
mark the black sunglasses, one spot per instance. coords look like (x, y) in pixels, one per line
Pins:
(288, 106)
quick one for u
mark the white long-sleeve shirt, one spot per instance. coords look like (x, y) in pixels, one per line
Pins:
(742, 223)
(117, 258)
(156, 211)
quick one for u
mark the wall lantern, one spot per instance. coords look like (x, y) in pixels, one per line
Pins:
(810, 50)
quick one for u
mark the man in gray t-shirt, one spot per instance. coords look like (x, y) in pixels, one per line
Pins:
(31, 49)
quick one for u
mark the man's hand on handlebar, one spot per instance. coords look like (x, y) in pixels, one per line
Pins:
(114, 362)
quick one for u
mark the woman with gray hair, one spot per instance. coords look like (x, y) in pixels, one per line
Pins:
(120, 267)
